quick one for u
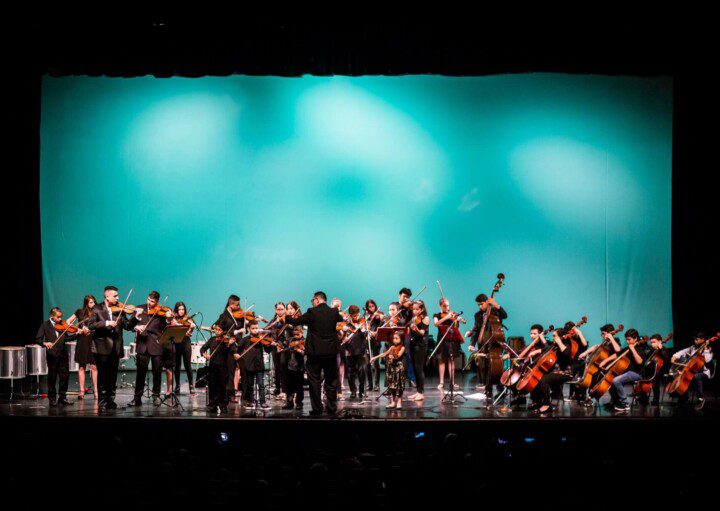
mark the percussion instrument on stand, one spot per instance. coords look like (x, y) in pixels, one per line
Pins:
(127, 354)
(36, 359)
(70, 347)
(12, 365)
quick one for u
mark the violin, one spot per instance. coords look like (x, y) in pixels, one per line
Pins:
(262, 339)
(681, 382)
(298, 345)
(63, 326)
(645, 386)
(159, 310)
(593, 363)
(246, 315)
(185, 321)
(520, 363)
(122, 307)
(616, 368)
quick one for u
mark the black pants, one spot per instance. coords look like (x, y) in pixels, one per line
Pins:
(279, 361)
(142, 367)
(418, 353)
(183, 355)
(58, 368)
(548, 387)
(319, 366)
(107, 366)
(357, 373)
(294, 381)
(576, 391)
(217, 383)
(250, 379)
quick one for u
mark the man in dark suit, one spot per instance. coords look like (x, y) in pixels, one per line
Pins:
(148, 330)
(57, 357)
(107, 345)
(322, 347)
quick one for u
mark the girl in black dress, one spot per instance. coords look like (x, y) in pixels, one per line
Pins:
(450, 347)
(83, 349)
(419, 326)
(183, 351)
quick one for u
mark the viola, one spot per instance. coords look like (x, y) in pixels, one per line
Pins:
(645, 386)
(606, 375)
(681, 382)
(593, 363)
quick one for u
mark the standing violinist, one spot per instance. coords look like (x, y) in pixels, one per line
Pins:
(405, 305)
(550, 385)
(635, 354)
(373, 318)
(336, 303)
(217, 350)
(495, 314)
(56, 355)
(295, 369)
(83, 349)
(355, 345)
(659, 356)
(148, 326)
(282, 334)
(107, 327)
(419, 327)
(235, 327)
(250, 352)
(702, 377)
(446, 322)
(183, 351)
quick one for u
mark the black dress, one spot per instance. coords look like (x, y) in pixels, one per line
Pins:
(449, 349)
(83, 349)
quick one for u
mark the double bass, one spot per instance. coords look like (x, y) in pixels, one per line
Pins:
(593, 363)
(687, 371)
(491, 340)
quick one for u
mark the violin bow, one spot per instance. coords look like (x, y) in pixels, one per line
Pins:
(65, 331)
(123, 307)
(452, 325)
(398, 311)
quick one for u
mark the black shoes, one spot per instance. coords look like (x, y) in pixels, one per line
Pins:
(315, 413)
(63, 401)
(111, 405)
(299, 406)
(223, 409)
(156, 401)
(134, 402)
(288, 406)
(53, 402)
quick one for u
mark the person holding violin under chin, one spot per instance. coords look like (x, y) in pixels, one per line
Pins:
(107, 322)
(83, 350)
(295, 369)
(52, 334)
(182, 353)
(148, 322)
(218, 350)
(419, 327)
(250, 358)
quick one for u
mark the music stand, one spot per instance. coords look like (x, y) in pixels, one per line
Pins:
(172, 335)
(385, 334)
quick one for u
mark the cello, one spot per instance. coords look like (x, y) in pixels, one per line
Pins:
(492, 338)
(645, 386)
(542, 366)
(616, 368)
(593, 363)
(519, 364)
(687, 371)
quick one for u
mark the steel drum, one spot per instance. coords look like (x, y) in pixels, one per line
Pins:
(72, 365)
(36, 358)
(133, 349)
(126, 352)
(196, 357)
(12, 362)
(267, 361)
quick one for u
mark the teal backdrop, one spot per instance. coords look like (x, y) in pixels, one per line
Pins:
(272, 188)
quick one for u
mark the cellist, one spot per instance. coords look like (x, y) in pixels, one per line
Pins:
(636, 354)
(578, 364)
(650, 370)
(550, 385)
(700, 378)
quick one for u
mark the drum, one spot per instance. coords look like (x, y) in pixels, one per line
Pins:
(133, 349)
(126, 352)
(72, 365)
(267, 360)
(36, 358)
(12, 362)
(196, 357)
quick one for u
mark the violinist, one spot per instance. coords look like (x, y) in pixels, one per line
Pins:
(183, 351)
(295, 370)
(336, 303)
(374, 318)
(250, 349)
(655, 367)
(702, 377)
(450, 347)
(282, 335)
(419, 327)
(217, 350)
(53, 337)
(148, 326)
(486, 305)
(356, 348)
(83, 349)
(232, 321)
(395, 377)
(636, 353)
(405, 305)
(107, 322)
(550, 385)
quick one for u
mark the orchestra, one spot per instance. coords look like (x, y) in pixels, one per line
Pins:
(326, 343)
